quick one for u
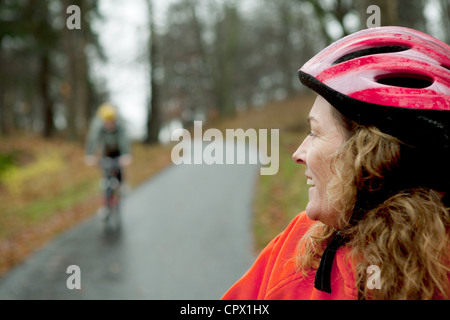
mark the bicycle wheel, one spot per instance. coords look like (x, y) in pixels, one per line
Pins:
(113, 218)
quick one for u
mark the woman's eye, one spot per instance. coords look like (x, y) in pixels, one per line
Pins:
(311, 133)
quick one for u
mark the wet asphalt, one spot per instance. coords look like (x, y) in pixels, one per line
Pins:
(185, 234)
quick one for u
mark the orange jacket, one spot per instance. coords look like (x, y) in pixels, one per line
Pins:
(274, 275)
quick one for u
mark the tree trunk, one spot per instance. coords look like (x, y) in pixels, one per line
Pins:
(286, 52)
(153, 118)
(81, 80)
(70, 50)
(3, 125)
(47, 102)
(389, 13)
(226, 48)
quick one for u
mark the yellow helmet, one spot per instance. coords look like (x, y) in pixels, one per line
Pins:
(107, 112)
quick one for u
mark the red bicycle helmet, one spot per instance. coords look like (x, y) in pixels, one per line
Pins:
(390, 66)
(397, 79)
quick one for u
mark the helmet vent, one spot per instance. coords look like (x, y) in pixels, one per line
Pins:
(413, 81)
(370, 51)
(446, 67)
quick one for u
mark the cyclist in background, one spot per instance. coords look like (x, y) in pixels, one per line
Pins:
(107, 136)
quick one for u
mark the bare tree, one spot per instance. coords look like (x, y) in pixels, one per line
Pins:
(225, 54)
(46, 38)
(153, 119)
(79, 91)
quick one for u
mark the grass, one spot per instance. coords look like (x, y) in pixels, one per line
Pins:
(66, 198)
(45, 187)
(280, 197)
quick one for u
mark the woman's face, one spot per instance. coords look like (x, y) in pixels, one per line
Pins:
(315, 153)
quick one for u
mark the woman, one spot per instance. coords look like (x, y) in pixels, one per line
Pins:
(378, 164)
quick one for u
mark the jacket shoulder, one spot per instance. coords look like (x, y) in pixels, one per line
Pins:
(275, 267)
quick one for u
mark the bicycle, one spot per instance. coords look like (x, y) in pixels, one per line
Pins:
(111, 189)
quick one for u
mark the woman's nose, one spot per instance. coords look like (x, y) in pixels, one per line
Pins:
(299, 154)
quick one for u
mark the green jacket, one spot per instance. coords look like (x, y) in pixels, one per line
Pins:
(107, 141)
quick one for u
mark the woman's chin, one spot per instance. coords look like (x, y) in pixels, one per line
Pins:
(311, 213)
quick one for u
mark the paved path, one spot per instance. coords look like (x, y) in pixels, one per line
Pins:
(186, 234)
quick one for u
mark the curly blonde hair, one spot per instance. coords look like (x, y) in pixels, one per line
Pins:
(406, 234)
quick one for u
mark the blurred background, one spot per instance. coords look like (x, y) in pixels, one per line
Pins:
(164, 64)
(162, 61)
